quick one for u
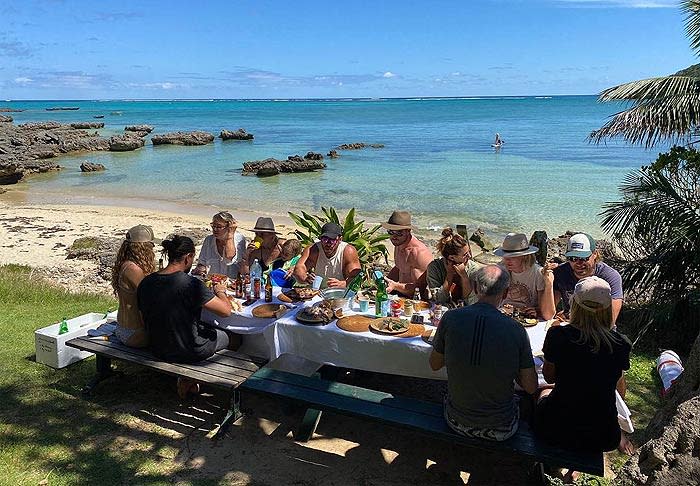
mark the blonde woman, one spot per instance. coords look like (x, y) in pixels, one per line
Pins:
(531, 287)
(224, 250)
(135, 260)
(585, 360)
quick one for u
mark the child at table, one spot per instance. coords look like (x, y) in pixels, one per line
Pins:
(283, 267)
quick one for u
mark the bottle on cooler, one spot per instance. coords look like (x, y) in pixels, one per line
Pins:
(63, 328)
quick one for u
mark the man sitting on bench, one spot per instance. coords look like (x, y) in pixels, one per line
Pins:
(484, 351)
(171, 303)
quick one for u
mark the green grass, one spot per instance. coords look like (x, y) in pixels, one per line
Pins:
(85, 243)
(49, 432)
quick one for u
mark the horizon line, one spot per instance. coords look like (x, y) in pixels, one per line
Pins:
(368, 98)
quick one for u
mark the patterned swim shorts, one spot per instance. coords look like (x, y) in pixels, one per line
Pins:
(497, 434)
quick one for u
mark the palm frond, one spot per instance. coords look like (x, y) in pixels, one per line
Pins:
(692, 22)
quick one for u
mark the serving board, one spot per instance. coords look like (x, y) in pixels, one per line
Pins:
(355, 323)
(266, 310)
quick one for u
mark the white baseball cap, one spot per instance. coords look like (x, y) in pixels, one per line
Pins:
(580, 245)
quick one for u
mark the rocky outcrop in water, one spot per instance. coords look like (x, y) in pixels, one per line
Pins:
(239, 134)
(28, 148)
(333, 154)
(87, 125)
(139, 129)
(91, 167)
(63, 108)
(183, 138)
(125, 143)
(5, 119)
(10, 110)
(313, 156)
(270, 167)
(358, 146)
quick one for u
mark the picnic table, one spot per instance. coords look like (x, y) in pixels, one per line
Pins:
(328, 344)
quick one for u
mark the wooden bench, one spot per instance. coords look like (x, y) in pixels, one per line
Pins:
(425, 417)
(225, 369)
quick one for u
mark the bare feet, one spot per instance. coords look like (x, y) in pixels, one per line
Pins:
(626, 446)
(185, 387)
(571, 476)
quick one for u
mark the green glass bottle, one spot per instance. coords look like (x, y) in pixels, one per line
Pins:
(63, 328)
(381, 301)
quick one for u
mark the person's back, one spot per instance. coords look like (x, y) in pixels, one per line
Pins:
(171, 305)
(484, 353)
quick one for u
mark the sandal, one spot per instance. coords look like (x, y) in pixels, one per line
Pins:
(186, 386)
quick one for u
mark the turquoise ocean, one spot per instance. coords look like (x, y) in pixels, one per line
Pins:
(437, 159)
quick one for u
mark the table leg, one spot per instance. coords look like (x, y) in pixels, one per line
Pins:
(104, 371)
(308, 425)
(232, 415)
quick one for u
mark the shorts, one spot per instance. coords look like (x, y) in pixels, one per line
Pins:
(495, 434)
(222, 340)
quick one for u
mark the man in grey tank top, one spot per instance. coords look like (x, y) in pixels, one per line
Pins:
(331, 258)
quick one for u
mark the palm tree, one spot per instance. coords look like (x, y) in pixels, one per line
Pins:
(663, 109)
(657, 225)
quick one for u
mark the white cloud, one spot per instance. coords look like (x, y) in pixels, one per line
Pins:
(388, 74)
(23, 80)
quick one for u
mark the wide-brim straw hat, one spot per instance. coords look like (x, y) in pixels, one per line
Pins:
(515, 244)
(265, 225)
(399, 220)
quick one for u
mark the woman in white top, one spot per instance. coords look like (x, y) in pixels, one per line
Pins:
(531, 287)
(224, 250)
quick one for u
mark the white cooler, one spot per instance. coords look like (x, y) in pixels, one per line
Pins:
(51, 347)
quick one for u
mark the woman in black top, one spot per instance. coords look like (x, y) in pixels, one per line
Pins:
(585, 359)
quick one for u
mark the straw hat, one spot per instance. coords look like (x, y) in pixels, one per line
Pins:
(515, 244)
(265, 225)
(399, 220)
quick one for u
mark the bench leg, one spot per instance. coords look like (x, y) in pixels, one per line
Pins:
(232, 415)
(308, 425)
(104, 370)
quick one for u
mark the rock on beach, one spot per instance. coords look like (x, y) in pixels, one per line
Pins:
(87, 125)
(183, 138)
(5, 118)
(91, 167)
(271, 166)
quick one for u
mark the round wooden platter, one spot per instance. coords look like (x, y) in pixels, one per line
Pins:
(412, 331)
(354, 323)
(266, 310)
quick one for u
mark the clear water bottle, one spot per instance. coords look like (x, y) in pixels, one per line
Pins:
(669, 366)
(256, 278)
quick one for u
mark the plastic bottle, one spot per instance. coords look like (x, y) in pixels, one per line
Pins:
(63, 328)
(256, 278)
(669, 366)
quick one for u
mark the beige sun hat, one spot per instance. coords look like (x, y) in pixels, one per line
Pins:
(592, 290)
(515, 244)
(399, 220)
(141, 234)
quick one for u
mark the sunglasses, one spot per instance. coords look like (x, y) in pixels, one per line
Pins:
(394, 232)
(218, 226)
(577, 259)
(327, 240)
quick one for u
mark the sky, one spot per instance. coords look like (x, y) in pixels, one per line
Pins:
(55, 49)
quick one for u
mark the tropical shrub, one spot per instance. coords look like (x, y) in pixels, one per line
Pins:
(366, 241)
(657, 227)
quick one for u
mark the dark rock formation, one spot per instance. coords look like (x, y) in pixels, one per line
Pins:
(139, 128)
(183, 138)
(540, 240)
(351, 146)
(239, 134)
(98, 116)
(63, 108)
(270, 167)
(10, 110)
(479, 237)
(87, 125)
(5, 119)
(125, 143)
(313, 156)
(359, 145)
(27, 148)
(91, 167)
(333, 154)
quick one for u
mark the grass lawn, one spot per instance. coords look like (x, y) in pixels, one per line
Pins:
(50, 435)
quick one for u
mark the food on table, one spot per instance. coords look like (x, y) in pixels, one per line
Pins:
(320, 312)
(216, 278)
(301, 293)
(530, 322)
(392, 324)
